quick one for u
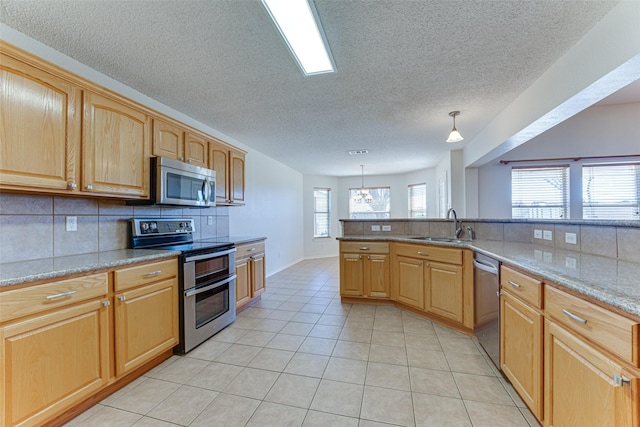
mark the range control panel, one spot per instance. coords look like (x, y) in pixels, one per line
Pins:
(145, 227)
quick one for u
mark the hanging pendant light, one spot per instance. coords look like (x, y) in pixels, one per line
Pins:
(363, 194)
(454, 136)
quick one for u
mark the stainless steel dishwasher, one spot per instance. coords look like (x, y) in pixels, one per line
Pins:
(486, 278)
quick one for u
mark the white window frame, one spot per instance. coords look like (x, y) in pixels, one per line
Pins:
(417, 203)
(367, 209)
(540, 192)
(611, 191)
(318, 214)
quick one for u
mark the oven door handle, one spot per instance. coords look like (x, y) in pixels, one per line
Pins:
(195, 291)
(209, 255)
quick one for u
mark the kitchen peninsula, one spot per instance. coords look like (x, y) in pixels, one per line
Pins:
(564, 312)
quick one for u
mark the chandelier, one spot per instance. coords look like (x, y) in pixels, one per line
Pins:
(363, 195)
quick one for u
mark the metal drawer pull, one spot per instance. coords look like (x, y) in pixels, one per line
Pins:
(621, 380)
(514, 284)
(153, 273)
(122, 297)
(252, 249)
(423, 253)
(574, 317)
(364, 248)
(62, 295)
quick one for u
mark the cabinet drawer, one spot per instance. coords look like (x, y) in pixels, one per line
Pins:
(433, 253)
(364, 247)
(521, 285)
(148, 273)
(35, 299)
(243, 251)
(613, 332)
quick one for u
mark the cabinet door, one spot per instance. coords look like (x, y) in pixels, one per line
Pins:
(377, 274)
(351, 275)
(237, 176)
(196, 150)
(410, 282)
(219, 162)
(146, 323)
(580, 389)
(243, 281)
(53, 361)
(521, 350)
(168, 140)
(39, 128)
(444, 291)
(115, 147)
(258, 274)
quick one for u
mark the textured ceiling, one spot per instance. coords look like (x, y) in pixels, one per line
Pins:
(401, 67)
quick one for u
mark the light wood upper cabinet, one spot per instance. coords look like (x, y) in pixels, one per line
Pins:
(196, 150)
(39, 128)
(168, 140)
(229, 164)
(115, 147)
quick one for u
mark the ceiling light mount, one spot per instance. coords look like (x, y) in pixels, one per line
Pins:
(454, 136)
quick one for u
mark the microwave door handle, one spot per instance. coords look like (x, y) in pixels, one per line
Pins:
(205, 183)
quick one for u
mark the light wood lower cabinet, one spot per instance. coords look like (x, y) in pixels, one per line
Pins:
(581, 385)
(365, 269)
(52, 361)
(444, 291)
(250, 272)
(146, 323)
(521, 349)
(410, 281)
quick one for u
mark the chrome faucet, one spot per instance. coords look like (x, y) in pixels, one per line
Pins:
(457, 230)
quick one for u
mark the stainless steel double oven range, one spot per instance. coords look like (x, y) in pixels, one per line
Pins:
(207, 284)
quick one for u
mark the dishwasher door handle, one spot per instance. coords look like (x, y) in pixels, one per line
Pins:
(485, 266)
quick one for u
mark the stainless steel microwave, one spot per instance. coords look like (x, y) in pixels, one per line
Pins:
(175, 183)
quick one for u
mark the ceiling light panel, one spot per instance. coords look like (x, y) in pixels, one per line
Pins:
(301, 30)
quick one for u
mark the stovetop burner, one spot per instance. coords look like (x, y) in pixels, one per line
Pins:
(170, 234)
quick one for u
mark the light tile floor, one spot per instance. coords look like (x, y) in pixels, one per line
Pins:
(300, 357)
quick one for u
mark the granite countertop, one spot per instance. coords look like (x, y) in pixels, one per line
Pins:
(611, 281)
(16, 273)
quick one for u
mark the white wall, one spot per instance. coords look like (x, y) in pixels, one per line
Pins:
(274, 191)
(273, 209)
(323, 247)
(609, 130)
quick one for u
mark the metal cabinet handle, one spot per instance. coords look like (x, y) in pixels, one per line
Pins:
(188, 160)
(427, 264)
(377, 260)
(621, 380)
(181, 159)
(419, 262)
(514, 284)
(364, 248)
(423, 253)
(122, 298)
(152, 273)
(106, 303)
(62, 295)
(359, 256)
(574, 317)
(252, 249)
(88, 187)
(72, 185)
(368, 256)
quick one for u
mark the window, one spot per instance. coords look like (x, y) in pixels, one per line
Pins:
(321, 212)
(418, 201)
(611, 191)
(369, 203)
(540, 192)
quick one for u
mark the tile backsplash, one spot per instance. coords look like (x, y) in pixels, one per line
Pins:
(620, 241)
(33, 227)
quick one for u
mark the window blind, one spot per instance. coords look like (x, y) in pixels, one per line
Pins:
(540, 192)
(321, 212)
(611, 191)
(418, 200)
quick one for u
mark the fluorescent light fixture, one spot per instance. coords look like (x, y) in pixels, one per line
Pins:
(298, 24)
